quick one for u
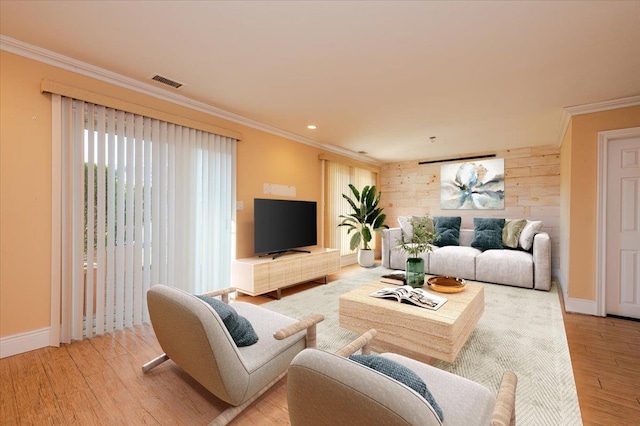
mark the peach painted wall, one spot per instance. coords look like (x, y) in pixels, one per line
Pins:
(25, 188)
(272, 159)
(583, 187)
(25, 198)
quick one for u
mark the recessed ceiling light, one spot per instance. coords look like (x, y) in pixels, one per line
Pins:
(311, 127)
(362, 152)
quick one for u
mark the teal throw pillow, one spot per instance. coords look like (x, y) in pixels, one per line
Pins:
(448, 228)
(239, 327)
(487, 233)
(400, 373)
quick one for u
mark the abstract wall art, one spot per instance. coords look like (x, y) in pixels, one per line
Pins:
(477, 185)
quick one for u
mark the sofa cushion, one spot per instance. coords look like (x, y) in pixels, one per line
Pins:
(454, 261)
(239, 327)
(487, 233)
(448, 228)
(400, 373)
(528, 232)
(511, 232)
(511, 267)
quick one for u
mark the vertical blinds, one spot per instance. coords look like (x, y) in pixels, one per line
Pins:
(339, 176)
(143, 202)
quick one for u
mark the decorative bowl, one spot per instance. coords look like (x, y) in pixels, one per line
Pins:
(447, 284)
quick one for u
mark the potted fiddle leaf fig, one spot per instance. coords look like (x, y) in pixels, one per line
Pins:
(420, 241)
(365, 219)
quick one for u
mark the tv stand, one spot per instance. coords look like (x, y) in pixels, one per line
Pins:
(277, 254)
(260, 275)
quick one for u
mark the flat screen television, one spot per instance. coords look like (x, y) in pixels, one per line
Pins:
(284, 225)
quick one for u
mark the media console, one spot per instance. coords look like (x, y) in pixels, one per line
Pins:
(259, 275)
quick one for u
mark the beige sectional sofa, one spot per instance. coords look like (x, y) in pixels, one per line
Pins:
(516, 267)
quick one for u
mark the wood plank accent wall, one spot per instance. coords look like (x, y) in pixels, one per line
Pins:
(532, 191)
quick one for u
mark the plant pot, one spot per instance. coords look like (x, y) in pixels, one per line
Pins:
(415, 271)
(366, 258)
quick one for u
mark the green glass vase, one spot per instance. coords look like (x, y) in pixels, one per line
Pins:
(415, 271)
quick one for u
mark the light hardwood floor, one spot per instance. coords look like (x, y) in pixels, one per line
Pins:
(99, 381)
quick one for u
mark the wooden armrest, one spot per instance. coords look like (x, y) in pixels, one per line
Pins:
(308, 323)
(223, 292)
(361, 342)
(504, 413)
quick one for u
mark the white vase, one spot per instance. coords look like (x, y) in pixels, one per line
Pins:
(365, 258)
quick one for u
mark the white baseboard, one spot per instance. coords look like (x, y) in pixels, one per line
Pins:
(580, 306)
(557, 275)
(571, 304)
(24, 342)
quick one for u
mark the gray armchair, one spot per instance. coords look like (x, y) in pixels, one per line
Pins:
(326, 388)
(194, 336)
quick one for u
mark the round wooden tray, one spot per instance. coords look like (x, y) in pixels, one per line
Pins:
(447, 284)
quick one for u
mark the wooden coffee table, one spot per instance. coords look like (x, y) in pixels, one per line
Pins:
(412, 331)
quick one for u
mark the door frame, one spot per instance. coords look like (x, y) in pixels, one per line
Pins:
(601, 216)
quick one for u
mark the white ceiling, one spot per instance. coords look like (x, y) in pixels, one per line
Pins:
(380, 77)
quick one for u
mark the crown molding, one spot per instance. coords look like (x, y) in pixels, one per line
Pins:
(48, 57)
(603, 106)
(565, 119)
(568, 112)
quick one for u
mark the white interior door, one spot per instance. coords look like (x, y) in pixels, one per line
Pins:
(623, 227)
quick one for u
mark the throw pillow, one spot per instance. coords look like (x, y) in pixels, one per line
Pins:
(528, 232)
(511, 232)
(406, 227)
(448, 228)
(239, 327)
(407, 223)
(487, 233)
(400, 373)
(429, 224)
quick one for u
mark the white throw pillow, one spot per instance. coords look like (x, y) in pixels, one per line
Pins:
(528, 232)
(406, 226)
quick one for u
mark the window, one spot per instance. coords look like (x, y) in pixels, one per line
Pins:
(144, 202)
(338, 177)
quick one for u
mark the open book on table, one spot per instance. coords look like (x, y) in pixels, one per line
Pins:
(408, 294)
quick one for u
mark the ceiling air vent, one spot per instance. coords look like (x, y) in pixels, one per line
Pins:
(167, 81)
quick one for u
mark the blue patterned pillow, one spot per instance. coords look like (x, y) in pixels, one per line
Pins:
(239, 327)
(448, 228)
(487, 233)
(400, 373)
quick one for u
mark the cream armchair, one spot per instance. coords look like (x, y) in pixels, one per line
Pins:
(194, 336)
(326, 388)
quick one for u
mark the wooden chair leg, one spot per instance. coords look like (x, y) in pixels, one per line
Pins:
(154, 363)
(504, 413)
(311, 336)
(231, 413)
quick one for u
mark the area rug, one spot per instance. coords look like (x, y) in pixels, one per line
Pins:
(521, 330)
